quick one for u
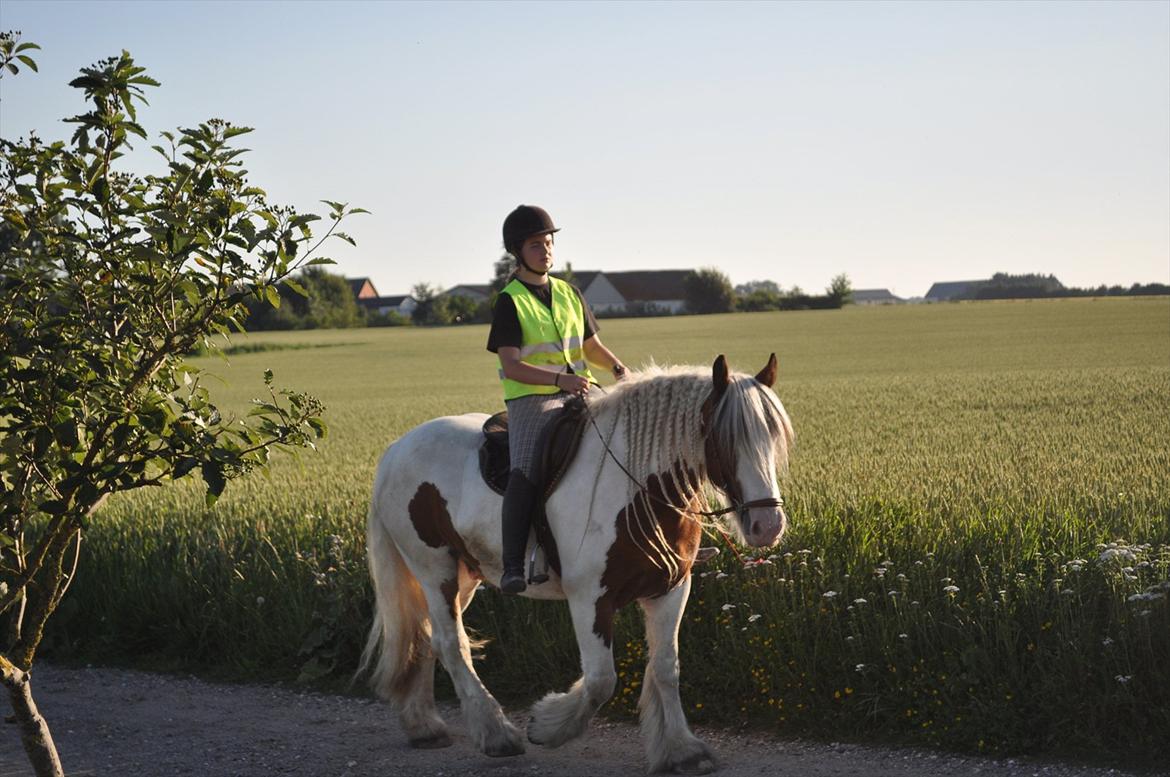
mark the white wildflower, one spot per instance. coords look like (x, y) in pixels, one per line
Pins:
(754, 617)
(860, 668)
(951, 589)
(903, 636)
(259, 601)
(727, 607)
(828, 594)
(1107, 641)
(1123, 678)
(860, 601)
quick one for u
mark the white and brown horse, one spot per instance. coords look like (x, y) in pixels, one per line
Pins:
(626, 519)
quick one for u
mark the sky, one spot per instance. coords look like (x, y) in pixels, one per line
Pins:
(899, 143)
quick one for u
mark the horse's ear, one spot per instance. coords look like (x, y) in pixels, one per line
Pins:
(767, 375)
(720, 375)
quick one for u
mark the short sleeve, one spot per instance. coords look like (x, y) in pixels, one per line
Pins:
(505, 331)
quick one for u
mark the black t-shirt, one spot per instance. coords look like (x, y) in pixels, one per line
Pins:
(505, 331)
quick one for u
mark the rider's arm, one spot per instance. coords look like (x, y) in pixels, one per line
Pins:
(596, 353)
(516, 370)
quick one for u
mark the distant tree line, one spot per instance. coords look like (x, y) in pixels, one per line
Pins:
(710, 291)
(1035, 286)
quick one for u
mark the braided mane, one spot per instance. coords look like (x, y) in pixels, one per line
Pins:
(660, 413)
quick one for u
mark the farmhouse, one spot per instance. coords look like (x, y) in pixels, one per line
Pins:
(402, 304)
(362, 288)
(948, 290)
(622, 292)
(474, 291)
(875, 297)
(367, 297)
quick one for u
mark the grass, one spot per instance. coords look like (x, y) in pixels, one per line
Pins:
(979, 555)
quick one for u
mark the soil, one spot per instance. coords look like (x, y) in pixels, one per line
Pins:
(127, 723)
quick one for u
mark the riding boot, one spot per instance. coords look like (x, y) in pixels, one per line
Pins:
(519, 500)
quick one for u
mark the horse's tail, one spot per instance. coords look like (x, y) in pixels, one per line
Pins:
(399, 640)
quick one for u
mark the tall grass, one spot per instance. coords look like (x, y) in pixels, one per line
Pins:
(979, 555)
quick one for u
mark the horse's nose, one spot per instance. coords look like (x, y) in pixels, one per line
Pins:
(765, 530)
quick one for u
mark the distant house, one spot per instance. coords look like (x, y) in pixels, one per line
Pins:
(476, 291)
(403, 304)
(874, 297)
(948, 290)
(619, 292)
(362, 288)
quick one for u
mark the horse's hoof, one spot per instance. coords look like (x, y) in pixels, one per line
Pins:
(505, 749)
(699, 763)
(433, 742)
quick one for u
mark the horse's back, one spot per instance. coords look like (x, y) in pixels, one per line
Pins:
(438, 448)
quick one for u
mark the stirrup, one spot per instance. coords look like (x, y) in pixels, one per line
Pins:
(533, 577)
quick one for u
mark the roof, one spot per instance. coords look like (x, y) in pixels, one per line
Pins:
(649, 285)
(874, 295)
(582, 279)
(951, 289)
(384, 302)
(357, 284)
(482, 289)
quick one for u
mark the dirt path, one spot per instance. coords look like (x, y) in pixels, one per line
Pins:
(127, 723)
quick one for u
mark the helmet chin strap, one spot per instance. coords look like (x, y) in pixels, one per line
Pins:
(524, 264)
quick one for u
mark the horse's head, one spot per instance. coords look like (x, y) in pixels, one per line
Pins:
(748, 436)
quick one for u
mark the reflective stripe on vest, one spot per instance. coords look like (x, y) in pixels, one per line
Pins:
(548, 338)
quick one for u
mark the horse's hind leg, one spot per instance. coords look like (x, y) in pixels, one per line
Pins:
(559, 717)
(670, 745)
(488, 727)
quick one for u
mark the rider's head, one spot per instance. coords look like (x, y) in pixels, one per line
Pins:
(528, 236)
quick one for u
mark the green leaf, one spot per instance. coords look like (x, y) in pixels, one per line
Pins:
(28, 62)
(318, 426)
(272, 295)
(214, 478)
(183, 466)
(53, 507)
(67, 434)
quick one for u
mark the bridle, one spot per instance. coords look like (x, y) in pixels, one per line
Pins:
(740, 508)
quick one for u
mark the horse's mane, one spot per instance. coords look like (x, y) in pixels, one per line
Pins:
(659, 410)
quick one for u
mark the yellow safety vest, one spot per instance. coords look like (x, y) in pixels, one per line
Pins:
(549, 338)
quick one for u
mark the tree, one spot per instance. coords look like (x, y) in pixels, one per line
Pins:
(751, 287)
(502, 272)
(427, 297)
(109, 279)
(840, 290)
(708, 291)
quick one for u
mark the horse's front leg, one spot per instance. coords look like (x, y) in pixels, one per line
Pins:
(670, 745)
(559, 717)
(489, 728)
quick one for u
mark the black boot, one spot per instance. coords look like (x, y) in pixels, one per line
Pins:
(519, 499)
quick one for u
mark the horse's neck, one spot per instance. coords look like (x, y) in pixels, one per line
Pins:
(679, 439)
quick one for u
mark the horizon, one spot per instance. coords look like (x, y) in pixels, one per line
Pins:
(787, 142)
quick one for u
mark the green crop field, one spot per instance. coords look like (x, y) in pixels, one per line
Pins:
(978, 557)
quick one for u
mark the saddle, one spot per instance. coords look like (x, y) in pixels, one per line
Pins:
(558, 446)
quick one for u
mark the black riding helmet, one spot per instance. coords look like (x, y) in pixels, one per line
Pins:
(525, 222)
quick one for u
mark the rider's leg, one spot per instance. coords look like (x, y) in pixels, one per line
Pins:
(519, 500)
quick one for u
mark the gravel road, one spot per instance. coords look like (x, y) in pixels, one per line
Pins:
(129, 723)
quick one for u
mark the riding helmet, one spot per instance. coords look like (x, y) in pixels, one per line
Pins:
(525, 222)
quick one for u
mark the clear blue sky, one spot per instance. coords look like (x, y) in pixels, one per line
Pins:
(900, 143)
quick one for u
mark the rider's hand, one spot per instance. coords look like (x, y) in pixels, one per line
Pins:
(620, 372)
(574, 384)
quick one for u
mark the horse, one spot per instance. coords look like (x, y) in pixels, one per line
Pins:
(627, 517)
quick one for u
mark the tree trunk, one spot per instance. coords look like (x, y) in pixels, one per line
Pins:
(34, 731)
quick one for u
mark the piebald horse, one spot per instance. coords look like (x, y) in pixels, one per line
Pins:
(626, 518)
